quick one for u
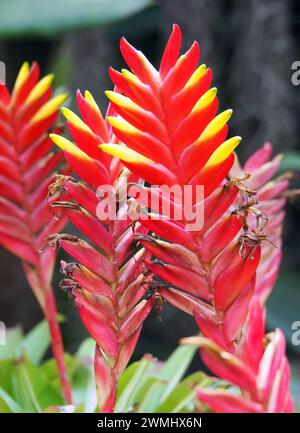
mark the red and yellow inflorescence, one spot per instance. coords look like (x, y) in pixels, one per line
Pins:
(27, 166)
(162, 125)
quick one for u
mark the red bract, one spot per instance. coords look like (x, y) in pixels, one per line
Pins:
(271, 200)
(107, 280)
(258, 366)
(167, 119)
(27, 164)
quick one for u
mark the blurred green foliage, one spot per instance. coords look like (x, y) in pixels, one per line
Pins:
(21, 18)
(30, 384)
(290, 162)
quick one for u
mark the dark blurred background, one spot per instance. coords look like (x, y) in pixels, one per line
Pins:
(250, 46)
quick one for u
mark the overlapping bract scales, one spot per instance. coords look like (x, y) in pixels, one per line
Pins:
(258, 366)
(107, 280)
(167, 120)
(27, 166)
(271, 196)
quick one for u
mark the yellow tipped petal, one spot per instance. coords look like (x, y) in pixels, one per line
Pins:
(223, 151)
(121, 100)
(205, 99)
(129, 76)
(41, 87)
(199, 72)
(122, 125)
(49, 108)
(216, 124)
(67, 145)
(22, 75)
(74, 119)
(89, 97)
(60, 141)
(124, 153)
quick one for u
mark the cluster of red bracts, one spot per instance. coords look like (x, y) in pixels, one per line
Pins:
(27, 165)
(256, 364)
(107, 281)
(162, 126)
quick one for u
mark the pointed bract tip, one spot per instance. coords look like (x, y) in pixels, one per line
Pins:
(40, 88)
(58, 140)
(176, 28)
(124, 153)
(78, 92)
(49, 108)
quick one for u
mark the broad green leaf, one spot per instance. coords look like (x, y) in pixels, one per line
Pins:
(169, 376)
(23, 391)
(37, 342)
(130, 382)
(8, 404)
(50, 370)
(12, 347)
(46, 394)
(83, 383)
(31, 387)
(83, 388)
(6, 368)
(175, 368)
(182, 397)
(38, 18)
(146, 399)
(86, 349)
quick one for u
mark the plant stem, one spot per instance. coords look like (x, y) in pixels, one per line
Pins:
(57, 345)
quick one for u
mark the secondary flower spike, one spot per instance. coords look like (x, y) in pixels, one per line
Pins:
(112, 294)
(27, 166)
(259, 368)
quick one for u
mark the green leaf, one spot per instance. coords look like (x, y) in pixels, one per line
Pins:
(147, 398)
(12, 347)
(175, 367)
(169, 376)
(182, 397)
(83, 388)
(50, 370)
(35, 18)
(8, 404)
(22, 389)
(6, 367)
(86, 349)
(37, 342)
(32, 389)
(130, 383)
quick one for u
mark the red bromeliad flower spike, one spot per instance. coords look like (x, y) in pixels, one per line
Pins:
(167, 121)
(27, 164)
(271, 196)
(107, 281)
(258, 367)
